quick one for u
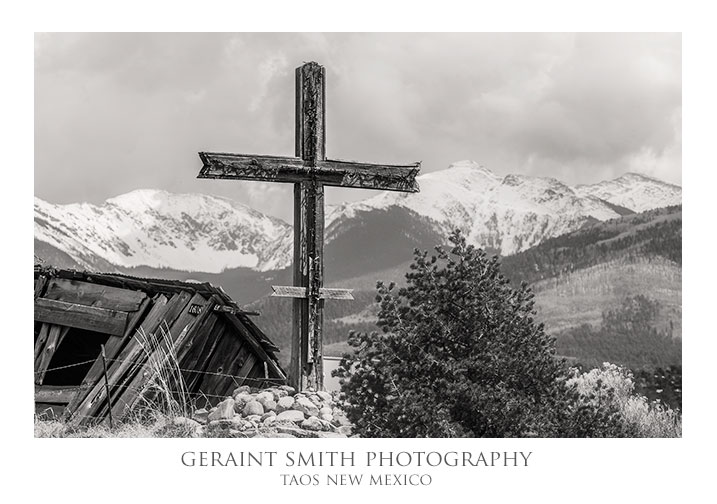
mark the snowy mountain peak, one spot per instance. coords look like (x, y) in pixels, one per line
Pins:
(634, 191)
(461, 172)
(508, 214)
(468, 164)
(203, 233)
(635, 177)
(145, 198)
(190, 232)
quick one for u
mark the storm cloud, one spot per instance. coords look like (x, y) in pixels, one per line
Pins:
(117, 112)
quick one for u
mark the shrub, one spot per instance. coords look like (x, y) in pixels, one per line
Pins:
(461, 355)
(613, 387)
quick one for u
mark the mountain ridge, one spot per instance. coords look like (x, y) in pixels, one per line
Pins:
(192, 232)
(210, 234)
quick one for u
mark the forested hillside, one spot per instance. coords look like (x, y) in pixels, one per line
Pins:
(588, 285)
(626, 335)
(648, 234)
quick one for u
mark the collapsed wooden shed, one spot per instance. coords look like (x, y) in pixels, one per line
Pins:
(144, 325)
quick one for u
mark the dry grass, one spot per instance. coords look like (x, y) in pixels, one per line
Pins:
(166, 393)
(653, 420)
(157, 427)
(163, 399)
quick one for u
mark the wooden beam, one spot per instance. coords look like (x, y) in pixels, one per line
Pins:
(40, 342)
(235, 311)
(226, 361)
(325, 293)
(112, 348)
(255, 345)
(372, 176)
(294, 170)
(40, 285)
(83, 317)
(201, 352)
(301, 292)
(55, 394)
(218, 165)
(54, 338)
(178, 331)
(290, 292)
(310, 112)
(87, 408)
(97, 295)
(311, 147)
(315, 248)
(299, 313)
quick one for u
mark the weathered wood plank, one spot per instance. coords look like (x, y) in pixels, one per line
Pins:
(195, 360)
(112, 348)
(237, 367)
(222, 365)
(325, 293)
(302, 292)
(257, 375)
(235, 311)
(178, 332)
(40, 285)
(40, 342)
(299, 312)
(311, 133)
(80, 316)
(127, 381)
(246, 368)
(328, 172)
(214, 359)
(97, 295)
(135, 354)
(55, 394)
(288, 291)
(382, 177)
(49, 411)
(256, 347)
(315, 247)
(162, 309)
(197, 329)
(310, 112)
(219, 165)
(54, 339)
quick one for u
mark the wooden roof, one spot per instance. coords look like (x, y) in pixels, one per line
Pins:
(215, 343)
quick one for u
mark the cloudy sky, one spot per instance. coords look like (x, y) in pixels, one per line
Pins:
(117, 112)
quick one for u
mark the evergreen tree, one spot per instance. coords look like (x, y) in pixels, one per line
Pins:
(461, 355)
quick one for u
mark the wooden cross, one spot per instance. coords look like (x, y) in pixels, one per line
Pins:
(309, 171)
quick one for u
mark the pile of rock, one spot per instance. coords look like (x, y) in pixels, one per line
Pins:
(272, 412)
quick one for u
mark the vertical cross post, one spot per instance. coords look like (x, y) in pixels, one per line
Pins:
(307, 337)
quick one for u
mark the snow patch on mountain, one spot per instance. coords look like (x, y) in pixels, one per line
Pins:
(637, 192)
(190, 232)
(509, 214)
(195, 232)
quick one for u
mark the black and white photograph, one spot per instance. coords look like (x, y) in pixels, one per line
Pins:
(358, 252)
(358, 235)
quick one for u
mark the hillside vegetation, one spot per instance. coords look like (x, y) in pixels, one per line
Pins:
(577, 279)
(655, 233)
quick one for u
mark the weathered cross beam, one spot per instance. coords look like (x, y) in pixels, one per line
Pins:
(309, 171)
(302, 292)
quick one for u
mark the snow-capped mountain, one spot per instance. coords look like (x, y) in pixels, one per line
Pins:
(507, 214)
(193, 232)
(634, 191)
(189, 232)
